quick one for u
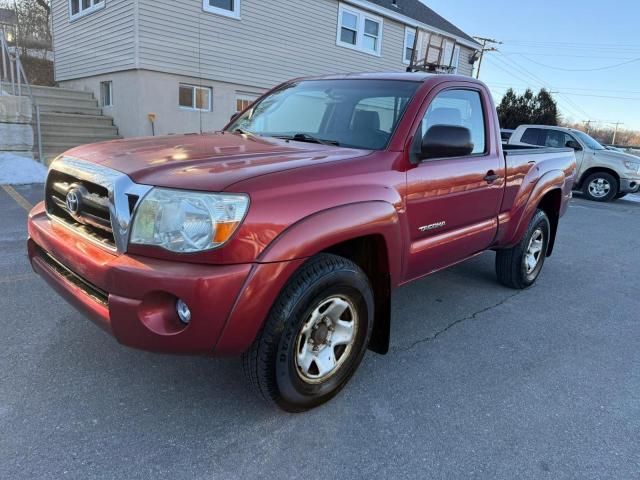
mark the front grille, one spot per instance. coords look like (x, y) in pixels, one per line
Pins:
(89, 289)
(91, 200)
(91, 218)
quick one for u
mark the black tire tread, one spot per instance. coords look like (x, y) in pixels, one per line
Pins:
(507, 268)
(255, 361)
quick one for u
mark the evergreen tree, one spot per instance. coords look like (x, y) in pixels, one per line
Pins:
(515, 110)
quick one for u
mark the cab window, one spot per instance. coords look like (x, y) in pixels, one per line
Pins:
(460, 108)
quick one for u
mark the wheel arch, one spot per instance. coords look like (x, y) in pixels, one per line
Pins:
(356, 231)
(551, 203)
(593, 170)
(371, 254)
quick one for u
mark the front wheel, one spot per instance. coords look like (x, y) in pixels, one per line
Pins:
(315, 335)
(520, 266)
(600, 187)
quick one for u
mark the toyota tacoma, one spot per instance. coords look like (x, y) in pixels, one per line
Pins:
(282, 237)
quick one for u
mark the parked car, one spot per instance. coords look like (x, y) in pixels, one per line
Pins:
(281, 238)
(603, 175)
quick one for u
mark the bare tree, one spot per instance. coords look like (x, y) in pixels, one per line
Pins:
(33, 27)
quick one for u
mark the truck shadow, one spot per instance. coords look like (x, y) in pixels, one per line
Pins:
(110, 379)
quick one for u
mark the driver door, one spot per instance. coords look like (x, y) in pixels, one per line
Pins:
(453, 203)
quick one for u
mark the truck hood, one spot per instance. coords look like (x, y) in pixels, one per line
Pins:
(209, 162)
(612, 155)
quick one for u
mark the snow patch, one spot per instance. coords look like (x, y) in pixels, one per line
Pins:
(18, 169)
(632, 198)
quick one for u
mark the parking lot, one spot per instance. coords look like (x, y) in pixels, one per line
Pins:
(481, 382)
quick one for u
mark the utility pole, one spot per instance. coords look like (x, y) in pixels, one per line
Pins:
(485, 48)
(615, 132)
(588, 124)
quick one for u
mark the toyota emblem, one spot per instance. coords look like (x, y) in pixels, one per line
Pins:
(73, 201)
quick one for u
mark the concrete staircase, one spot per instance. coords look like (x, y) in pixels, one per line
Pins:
(69, 118)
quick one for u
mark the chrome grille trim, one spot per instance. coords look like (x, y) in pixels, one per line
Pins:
(119, 187)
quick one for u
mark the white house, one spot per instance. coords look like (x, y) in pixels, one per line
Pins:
(188, 65)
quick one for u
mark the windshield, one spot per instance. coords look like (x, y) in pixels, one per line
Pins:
(590, 142)
(349, 113)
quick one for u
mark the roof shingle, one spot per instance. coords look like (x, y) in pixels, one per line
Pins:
(419, 11)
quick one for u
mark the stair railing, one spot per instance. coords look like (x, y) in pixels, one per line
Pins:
(14, 77)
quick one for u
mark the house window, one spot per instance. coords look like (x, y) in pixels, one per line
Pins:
(409, 42)
(79, 8)
(106, 93)
(227, 8)
(359, 30)
(243, 100)
(192, 97)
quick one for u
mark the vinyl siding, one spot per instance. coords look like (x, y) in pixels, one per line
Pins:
(273, 41)
(464, 67)
(100, 42)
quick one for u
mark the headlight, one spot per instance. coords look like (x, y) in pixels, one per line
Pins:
(185, 222)
(635, 166)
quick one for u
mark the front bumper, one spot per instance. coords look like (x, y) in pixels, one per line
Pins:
(629, 185)
(133, 298)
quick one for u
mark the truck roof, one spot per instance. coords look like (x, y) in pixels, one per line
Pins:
(549, 127)
(406, 76)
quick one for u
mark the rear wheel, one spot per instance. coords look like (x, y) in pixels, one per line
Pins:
(600, 187)
(315, 336)
(520, 266)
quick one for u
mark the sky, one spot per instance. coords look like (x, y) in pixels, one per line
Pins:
(587, 50)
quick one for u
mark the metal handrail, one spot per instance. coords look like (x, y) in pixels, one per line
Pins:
(13, 73)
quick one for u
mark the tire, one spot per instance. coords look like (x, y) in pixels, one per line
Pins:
(287, 363)
(600, 187)
(513, 266)
(621, 195)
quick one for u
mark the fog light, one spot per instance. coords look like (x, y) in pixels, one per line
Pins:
(183, 312)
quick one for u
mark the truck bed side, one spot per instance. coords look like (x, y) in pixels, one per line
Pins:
(531, 174)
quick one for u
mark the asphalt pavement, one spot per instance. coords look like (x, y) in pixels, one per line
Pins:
(481, 382)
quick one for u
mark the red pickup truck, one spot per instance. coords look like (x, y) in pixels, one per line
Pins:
(282, 237)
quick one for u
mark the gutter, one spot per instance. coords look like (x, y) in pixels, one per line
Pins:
(410, 22)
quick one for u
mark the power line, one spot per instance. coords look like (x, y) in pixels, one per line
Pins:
(576, 88)
(563, 55)
(516, 76)
(580, 44)
(609, 67)
(545, 83)
(568, 104)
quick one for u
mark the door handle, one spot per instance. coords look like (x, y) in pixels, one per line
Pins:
(491, 176)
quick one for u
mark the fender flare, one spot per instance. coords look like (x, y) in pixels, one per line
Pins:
(326, 228)
(552, 180)
(288, 252)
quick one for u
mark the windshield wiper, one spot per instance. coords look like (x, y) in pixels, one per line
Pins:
(244, 132)
(305, 137)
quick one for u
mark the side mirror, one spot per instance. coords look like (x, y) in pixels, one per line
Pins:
(573, 144)
(444, 141)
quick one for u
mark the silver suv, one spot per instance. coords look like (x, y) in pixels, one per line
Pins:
(603, 175)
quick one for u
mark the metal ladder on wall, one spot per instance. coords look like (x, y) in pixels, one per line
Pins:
(15, 80)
